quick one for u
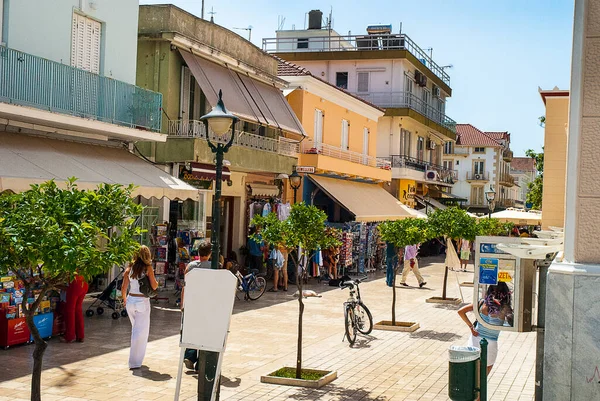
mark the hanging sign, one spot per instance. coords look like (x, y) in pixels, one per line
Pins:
(488, 271)
(305, 169)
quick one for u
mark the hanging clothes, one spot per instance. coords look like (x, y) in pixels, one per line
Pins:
(283, 211)
(266, 209)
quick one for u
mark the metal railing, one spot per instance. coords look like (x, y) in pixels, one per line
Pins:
(353, 43)
(443, 174)
(197, 129)
(475, 176)
(459, 151)
(309, 146)
(507, 180)
(411, 101)
(506, 202)
(507, 155)
(28, 80)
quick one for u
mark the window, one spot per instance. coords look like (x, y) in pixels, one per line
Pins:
(85, 43)
(408, 89)
(404, 142)
(365, 141)
(478, 166)
(448, 164)
(1, 19)
(318, 127)
(426, 97)
(420, 148)
(448, 148)
(363, 82)
(477, 196)
(302, 43)
(345, 126)
(341, 80)
(479, 150)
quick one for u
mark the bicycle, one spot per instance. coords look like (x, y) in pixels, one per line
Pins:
(253, 285)
(357, 317)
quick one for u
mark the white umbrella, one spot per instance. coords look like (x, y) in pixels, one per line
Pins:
(519, 217)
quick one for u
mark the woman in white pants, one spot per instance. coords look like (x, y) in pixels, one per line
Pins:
(138, 305)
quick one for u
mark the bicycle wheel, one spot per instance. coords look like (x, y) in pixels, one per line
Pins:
(256, 288)
(349, 324)
(364, 319)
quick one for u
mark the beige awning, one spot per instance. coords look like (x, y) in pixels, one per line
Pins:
(263, 190)
(26, 160)
(519, 217)
(367, 202)
(245, 97)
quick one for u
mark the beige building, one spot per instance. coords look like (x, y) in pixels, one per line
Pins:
(555, 156)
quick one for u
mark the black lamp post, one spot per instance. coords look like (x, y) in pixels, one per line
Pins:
(295, 182)
(219, 120)
(490, 196)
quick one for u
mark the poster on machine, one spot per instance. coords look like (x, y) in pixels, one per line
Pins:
(488, 271)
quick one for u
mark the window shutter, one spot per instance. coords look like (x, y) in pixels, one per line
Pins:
(96, 29)
(85, 43)
(186, 79)
(345, 134)
(363, 82)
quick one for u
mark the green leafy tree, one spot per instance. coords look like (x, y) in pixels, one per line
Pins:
(493, 227)
(536, 187)
(49, 234)
(453, 223)
(305, 229)
(401, 233)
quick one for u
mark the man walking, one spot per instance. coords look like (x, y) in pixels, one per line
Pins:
(411, 263)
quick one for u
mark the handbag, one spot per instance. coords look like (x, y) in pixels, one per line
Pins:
(145, 287)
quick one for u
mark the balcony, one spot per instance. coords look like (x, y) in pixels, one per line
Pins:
(506, 180)
(478, 177)
(32, 81)
(197, 129)
(406, 167)
(507, 155)
(350, 43)
(457, 151)
(407, 100)
(506, 203)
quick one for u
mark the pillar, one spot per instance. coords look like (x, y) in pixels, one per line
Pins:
(572, 337)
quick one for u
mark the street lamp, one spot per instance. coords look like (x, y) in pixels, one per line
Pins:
(220, 121)
(490, 196)
(295, 182)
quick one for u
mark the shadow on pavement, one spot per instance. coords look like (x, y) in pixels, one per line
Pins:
(230, 383)
(149, 374)
(435, 335)
(333, 392)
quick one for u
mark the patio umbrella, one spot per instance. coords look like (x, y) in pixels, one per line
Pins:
(518, 217)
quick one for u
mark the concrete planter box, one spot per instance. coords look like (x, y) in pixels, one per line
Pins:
(328, 377)
(440, 300)
(466, 284)
(400, 326)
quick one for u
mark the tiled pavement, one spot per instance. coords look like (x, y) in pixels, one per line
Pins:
(383, 366)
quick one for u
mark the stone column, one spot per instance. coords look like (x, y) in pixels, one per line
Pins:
(572, 342)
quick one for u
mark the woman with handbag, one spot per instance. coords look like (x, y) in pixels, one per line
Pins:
(139, 277)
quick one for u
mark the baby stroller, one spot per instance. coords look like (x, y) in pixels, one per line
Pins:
(108, 299)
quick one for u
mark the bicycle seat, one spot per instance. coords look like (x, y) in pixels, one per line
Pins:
(254, 271)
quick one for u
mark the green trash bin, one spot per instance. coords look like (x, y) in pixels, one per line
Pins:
(463, 373)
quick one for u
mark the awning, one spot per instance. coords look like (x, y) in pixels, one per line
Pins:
(367, 202)
(519, 217)
(432, 202)
(263, 190)
(245, 97)
(202, 171)
(26, 160)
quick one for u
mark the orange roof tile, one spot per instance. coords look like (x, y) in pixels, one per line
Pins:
(522, 164)
(468, 135)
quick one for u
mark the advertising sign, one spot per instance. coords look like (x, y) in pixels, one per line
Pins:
(305, 169)
(488, 271)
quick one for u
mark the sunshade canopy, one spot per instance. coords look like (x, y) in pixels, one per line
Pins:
(367, 202)
(518, 217)
(26, 160)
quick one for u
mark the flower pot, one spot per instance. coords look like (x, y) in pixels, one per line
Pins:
(325, 378)
(399, 326)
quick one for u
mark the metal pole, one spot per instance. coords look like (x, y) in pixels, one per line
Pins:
(541, 327)
(295, 190)
(216, 220)
(483, 370)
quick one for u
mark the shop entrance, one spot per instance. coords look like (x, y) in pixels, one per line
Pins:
(226, 225)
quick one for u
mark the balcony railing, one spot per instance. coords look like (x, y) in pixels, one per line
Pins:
(507, 180)
(33, 81)
(353, 43)
(506, 203)
(507, 155)
(197, 129)
(457, 151)
(443, 174)
(475, 176)
(311, 147)
(409, 100)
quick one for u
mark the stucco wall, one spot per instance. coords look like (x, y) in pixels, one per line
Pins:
(462, 188)
(43, 28)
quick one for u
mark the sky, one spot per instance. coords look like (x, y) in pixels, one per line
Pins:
(501, 50)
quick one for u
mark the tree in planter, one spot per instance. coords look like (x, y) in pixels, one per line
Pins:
(451, 223)
(493, 227)
(47, 234)
(402, 233)
(304, 229)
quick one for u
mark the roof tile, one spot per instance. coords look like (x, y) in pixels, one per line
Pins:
(522, 164)
(468, 135)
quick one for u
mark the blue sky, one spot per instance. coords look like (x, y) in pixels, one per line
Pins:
(501, 50)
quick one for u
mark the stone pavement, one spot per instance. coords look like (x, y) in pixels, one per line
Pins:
(382, 366)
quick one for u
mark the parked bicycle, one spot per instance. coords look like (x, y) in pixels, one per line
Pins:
(253, 285)
(357, 317)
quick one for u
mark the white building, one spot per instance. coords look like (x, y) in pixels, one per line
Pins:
(524, 171)
(482, 162)
(392, 72)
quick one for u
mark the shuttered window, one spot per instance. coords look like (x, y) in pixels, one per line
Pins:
(85, 43)
(345, 126)
(363, 82)
(186, 81)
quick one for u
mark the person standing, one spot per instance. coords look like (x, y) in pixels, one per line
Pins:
(255, 249)
(465, 253)
(411, 263)
(138, 305)
(73, 313)
(280, 262)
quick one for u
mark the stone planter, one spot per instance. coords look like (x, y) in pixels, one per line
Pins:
(400, 326)
(440, 300)
(328, 377)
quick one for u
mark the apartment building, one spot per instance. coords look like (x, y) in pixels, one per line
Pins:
(392, 72)
(482, 161)
(524, 172)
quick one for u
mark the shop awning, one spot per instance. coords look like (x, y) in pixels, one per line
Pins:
(203, 171)
(245, 97)
(26, 160)
(263, 190)
(367, 202)
(519, 217)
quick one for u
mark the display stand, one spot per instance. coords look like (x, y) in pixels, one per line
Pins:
(208, 305)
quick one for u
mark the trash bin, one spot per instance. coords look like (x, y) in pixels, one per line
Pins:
(463, 373)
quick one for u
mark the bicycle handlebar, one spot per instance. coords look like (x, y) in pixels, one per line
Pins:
(352, 283)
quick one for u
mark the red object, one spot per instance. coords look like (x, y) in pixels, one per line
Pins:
(73, 313)
(13, 331)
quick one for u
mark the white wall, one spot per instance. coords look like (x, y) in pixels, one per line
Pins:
(462, 188)
(43, 28)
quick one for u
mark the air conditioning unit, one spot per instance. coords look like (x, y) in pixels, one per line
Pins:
(436, 91)
(431, 175)
(423, 81)
(478, 176)
(418, 77)
(430, 145)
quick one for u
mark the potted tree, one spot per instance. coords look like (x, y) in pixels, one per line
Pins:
(401, 233)
(305, 231)
(47, 234)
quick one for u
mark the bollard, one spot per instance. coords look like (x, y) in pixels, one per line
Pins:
(483, 370)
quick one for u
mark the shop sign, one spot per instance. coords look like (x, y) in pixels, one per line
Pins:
(188, 177)
(488, 271)
(504, 277)
(305, 169)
